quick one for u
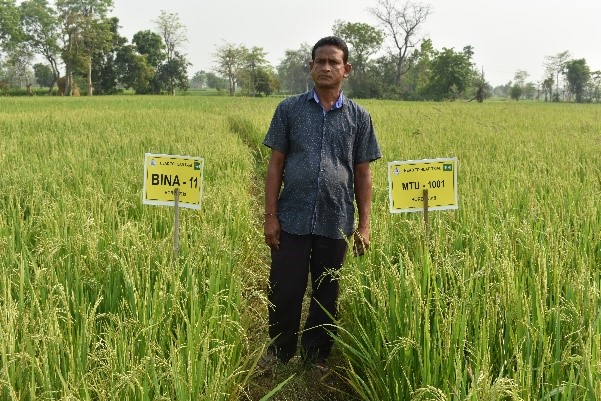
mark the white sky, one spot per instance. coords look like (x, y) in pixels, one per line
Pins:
(507, 35)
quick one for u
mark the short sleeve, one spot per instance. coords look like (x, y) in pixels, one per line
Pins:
(367, 148)
(277, 135)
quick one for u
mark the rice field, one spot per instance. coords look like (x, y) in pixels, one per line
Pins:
(501, 302)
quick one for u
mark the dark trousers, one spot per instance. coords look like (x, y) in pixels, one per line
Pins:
(298, 256)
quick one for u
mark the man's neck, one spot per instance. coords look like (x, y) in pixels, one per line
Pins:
(327, 97)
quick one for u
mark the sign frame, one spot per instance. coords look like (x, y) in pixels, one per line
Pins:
(169, 199)
(421, 168)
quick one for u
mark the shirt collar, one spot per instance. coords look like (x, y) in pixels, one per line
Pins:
(337, 105)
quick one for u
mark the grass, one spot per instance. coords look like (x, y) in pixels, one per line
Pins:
(502, 302)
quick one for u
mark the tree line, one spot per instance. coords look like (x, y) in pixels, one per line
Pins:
(81, 36)
(390, 60)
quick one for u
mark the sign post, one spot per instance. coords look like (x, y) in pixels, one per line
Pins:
(423, 185)
(171, 180)
(176, 227)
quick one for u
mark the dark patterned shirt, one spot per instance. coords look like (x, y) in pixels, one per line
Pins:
(321, 151)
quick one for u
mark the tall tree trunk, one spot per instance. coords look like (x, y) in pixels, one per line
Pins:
(90, 87)
(399, 69)
(55, 73)
(68, 81)
(56, 77)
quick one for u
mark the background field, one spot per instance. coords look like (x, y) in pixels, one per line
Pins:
(503, 302)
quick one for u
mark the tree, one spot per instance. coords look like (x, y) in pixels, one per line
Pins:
(293, 70)
(216, 82)
(418, 76)
(516, 92)
(364, 40)
(9, 22)
(41, 33)
(265, 81)
(520, 77)
(555, 65)
(529, 91)
(519, 87)
(173, 74)
(86, 30)
(229, 60)
(199, 80)
(402, 24)
(105, 76)
(503, 91)
(173, 33)
(43, 75)
(547, 87)
(19, 66)
(595, 86)
(10, 28)
(577, 74)
(451, 75)
(150, 44)
(133, 70)
(254, 62)
(481, 87)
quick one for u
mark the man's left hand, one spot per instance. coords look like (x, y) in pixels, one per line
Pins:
(360, 241)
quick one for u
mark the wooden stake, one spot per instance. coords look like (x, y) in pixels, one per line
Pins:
(426, 217)
(176, 228)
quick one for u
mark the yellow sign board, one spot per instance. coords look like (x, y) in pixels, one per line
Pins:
(407, 181)
(164, 173)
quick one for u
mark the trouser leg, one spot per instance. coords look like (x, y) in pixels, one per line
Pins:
(287, 285)
(326, 259)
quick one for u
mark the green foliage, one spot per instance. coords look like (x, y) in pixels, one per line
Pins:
(293, 70)
(10, 29)
(363, 40)
(229, 62)
(172, 74)
(199, 80)
(246, 69)
(216, 82)
(451, 74)
(41, 29)
(43, 75)
(577, 73)
(105, 74)
(150, 45)
(516, 92)
(133, 70)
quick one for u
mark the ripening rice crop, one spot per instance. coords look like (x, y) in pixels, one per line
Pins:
(501, 302)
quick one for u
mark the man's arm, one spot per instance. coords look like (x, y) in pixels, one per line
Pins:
(273, 183)
(363, 199)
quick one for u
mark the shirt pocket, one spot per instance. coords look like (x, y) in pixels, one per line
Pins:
(344, 142)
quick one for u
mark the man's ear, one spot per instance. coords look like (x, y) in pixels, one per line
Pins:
(347, 70)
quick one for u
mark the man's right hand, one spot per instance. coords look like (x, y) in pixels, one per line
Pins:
(271, 229)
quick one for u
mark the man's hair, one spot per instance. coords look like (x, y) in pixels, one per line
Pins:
(331, 41)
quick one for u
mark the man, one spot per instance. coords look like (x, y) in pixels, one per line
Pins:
(321, 146)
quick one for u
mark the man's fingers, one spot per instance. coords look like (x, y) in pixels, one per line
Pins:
(361, 244)
(273, 242)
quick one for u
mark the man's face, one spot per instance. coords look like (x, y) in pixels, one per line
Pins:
(328, 69)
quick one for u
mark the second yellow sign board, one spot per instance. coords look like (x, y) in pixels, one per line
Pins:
(407, 181)
(164, 173)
